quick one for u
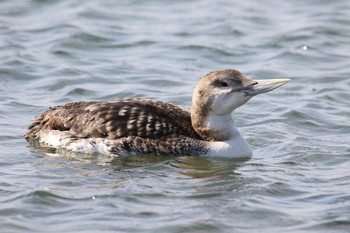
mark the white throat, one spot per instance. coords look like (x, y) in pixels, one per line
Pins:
(222, 123)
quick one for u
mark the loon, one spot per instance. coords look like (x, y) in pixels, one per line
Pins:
(133, 126)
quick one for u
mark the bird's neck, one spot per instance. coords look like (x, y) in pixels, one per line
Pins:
(221, 134)
(213, 127)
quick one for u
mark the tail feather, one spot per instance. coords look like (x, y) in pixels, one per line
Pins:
(57, 118)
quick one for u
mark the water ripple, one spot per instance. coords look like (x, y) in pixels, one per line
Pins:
(54, 52)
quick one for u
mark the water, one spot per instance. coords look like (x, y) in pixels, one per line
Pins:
(54, 52)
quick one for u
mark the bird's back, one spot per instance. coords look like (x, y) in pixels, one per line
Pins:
(116, 119)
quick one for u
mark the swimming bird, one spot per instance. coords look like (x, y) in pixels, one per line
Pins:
(133, 126)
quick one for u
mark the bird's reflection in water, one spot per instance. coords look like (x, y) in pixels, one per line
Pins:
(209, 168)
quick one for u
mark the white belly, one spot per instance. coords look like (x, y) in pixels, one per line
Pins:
(63, 139)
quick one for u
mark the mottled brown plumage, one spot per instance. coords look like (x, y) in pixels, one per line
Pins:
(136, 125)
(115, 119)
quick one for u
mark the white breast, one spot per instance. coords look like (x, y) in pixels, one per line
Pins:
(237, 147)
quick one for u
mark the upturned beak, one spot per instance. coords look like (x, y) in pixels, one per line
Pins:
(263, 86)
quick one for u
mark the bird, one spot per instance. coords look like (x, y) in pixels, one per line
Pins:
(135, 126)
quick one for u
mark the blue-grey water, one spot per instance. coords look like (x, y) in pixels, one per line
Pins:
(58, 51)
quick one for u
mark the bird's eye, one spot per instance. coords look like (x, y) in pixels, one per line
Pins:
(224, 84)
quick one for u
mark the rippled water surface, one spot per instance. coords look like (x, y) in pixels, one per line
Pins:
(53, 52)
